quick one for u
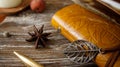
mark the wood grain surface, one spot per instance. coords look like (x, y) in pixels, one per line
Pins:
(21, 23)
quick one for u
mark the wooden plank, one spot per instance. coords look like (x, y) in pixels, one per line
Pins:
(19, 24)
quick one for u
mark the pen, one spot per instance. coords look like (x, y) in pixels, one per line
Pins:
(28, 61)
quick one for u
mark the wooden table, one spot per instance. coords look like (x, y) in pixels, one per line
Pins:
(21, 23)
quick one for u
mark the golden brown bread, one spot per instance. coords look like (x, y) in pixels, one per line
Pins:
(78, 23)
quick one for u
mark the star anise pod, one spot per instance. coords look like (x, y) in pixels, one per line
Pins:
(39, 37)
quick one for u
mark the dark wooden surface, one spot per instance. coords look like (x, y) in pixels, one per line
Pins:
(22, 22)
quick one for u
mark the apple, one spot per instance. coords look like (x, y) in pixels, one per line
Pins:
(37, 5)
